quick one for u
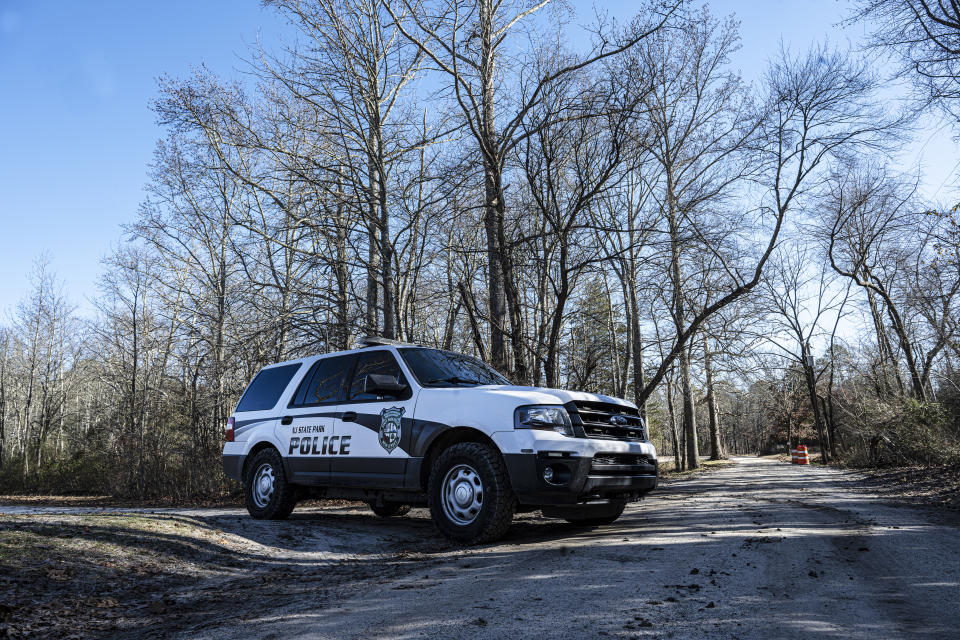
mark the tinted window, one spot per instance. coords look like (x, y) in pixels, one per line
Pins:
(436, 368)
(322, 385)
(381, 362)
(266, 388)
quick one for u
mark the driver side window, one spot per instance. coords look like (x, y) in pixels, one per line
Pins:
(374, 362)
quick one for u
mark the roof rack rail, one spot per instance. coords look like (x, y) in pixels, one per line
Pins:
(377, 341)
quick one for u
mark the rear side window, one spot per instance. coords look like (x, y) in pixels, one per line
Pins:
(266, 389)
(381, 362)
(322, 385)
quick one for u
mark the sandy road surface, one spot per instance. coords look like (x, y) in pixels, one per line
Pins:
(759, 549)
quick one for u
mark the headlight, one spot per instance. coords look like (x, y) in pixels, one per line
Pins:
(549, 417)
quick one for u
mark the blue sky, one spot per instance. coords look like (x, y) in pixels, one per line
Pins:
(76, 131)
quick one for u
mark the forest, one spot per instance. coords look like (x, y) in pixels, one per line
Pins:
(751, 263)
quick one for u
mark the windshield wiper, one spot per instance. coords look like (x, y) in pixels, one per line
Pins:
(454, 380)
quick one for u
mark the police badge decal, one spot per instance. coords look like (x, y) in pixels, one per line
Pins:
(390, 428)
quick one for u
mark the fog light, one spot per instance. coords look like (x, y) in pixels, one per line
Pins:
(548, 474)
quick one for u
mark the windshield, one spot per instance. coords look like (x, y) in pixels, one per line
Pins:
(436, 368)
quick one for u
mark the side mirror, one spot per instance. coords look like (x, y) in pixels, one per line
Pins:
(382, 385)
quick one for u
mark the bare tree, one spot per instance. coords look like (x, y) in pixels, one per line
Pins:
(815, 108)
(44, 329)
(701, 120)
(352, 68)
(925, 35)
(569, 164)
(804, 304)
(466, 40)
(869, 215)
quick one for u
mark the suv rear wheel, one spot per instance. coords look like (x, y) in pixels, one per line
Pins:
(469, 493)
(266, 491)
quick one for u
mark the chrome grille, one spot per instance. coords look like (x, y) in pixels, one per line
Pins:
(607, 421)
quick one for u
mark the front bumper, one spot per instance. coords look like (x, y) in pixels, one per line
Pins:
(577, 478)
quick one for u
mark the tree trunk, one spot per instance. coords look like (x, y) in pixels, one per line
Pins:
(916, 380)
(342, 276)
(514, 306)
(381, 221)
(493, 203)
(453, 309)
(30, 381)
(673, 428)
(3, 398)
(638, 382)
(219, 350)
(883, 346)
(810, 376)
(689, 413)
(472, 316)
(132, 405)
(553, 339)
(828, 401)
(716, 448)
(788, 404)
(373, 267)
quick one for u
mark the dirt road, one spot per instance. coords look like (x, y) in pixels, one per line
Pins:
(758, 549)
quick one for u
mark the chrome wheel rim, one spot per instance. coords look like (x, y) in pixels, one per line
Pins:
(263, 485)
(462, 494)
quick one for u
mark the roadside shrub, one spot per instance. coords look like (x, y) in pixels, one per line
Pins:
(11, 477)
(77, 475)
(902, 431)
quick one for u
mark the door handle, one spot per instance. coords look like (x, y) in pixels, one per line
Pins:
(349, 416)
(286, 419)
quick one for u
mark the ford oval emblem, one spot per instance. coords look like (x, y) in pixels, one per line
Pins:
(618, 420)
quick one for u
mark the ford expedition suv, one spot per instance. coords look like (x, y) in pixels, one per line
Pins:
(397, 425)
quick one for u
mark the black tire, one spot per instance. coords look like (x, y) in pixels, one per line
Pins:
(599, 520)
(282, 497)
(390, 509)
(481, 472)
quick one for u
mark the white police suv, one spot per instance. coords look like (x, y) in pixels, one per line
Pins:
(398, 425)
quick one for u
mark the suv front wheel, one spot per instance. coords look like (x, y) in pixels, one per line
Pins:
(469, 493)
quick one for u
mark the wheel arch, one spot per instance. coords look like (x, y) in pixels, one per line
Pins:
(448, 438)
(257, 448)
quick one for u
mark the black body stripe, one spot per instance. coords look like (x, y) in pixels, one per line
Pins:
(415, 437)
(241, 425)
(248, 424)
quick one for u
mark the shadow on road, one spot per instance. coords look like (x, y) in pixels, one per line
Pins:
(758, 549)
